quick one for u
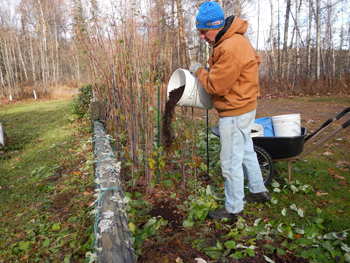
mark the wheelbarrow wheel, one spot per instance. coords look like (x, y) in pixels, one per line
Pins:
(266, 164)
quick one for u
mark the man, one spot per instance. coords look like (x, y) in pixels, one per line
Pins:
(233, 85)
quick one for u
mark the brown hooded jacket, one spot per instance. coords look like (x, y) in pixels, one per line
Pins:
(233, 77)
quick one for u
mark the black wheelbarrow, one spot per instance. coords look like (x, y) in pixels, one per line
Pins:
(271, 149)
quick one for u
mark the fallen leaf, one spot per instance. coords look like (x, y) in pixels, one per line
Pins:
(327, 153)
(342, 183)
(332, 171)
(298, 236)
(200, 260)
(321, 194)
(336, 176)
(343, 162)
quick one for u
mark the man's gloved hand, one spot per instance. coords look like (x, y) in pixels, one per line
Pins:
(194, 66)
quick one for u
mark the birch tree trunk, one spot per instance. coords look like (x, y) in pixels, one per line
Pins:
(43, 48)
(56, 57)
(32, 60)
(285, 42)
(2, 82)
(21, 58)
(318, 41)
(330, 37)
(272, 42)
(8, 68)
(309, 67)
(297, 10)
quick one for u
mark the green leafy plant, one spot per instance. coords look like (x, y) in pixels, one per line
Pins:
(200, 207)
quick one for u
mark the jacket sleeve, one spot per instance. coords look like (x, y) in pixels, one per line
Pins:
(222, 75)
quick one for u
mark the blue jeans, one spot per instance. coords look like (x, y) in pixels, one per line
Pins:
(238, 159)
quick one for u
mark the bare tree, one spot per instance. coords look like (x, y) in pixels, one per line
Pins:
(285, 42)
(309, 40)
(297, 11)
(272, 42)
(318, 41)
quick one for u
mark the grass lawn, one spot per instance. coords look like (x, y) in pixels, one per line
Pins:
(46, 183)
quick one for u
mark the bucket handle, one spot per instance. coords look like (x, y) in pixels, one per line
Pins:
(192, 93)
(298, 123)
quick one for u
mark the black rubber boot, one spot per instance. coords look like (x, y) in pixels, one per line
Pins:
(258, 197)
(223, 213)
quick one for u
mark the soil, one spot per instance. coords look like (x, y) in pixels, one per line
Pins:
(174, 96)
(175, 242)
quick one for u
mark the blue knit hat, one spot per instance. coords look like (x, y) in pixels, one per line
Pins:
(210, 16)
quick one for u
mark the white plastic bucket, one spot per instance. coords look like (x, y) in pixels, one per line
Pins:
(286, 125)
(257, 130)
(2, 136)
(194, 95)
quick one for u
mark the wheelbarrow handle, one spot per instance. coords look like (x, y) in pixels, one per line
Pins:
(342, 113)
(311, 135)
(330, 120)
(346, 124)
(327, 122)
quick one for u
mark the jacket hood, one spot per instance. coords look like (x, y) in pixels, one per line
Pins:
(233, 25)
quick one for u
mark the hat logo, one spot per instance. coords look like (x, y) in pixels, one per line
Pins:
(216, 23)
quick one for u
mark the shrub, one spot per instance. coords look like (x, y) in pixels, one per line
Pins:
(80, 105)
